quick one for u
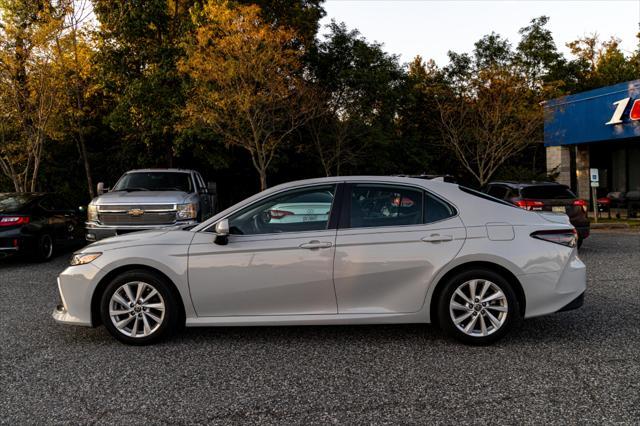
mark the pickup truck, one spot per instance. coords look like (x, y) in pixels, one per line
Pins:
(149, 199)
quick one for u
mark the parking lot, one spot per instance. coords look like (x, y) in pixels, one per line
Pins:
(578, 366)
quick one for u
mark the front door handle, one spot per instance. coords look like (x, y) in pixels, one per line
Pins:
(315, 244)
(437, 238)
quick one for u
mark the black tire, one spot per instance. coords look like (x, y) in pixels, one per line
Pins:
(170, 320)
(447, 322)
(580, 241)
(43, 251)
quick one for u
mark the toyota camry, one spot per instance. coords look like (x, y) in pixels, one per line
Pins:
(389, 250)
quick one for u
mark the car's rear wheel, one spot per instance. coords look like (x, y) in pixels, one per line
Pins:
(44, 248)
(477, 307)
(138, 308)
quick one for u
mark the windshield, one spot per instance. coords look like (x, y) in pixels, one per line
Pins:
(10, 203)
(154, 181)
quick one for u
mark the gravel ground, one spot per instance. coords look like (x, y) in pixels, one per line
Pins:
(579, 366)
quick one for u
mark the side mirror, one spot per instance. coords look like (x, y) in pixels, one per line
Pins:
(100, 189)
(222, 232)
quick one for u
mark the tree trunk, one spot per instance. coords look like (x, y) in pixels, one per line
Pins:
(85, 160)
(263, 179)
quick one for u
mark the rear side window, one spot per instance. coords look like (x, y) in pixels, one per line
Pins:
(547, 192)
(382, 205)
(436, 209)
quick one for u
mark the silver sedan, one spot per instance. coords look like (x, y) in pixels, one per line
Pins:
(390, 250)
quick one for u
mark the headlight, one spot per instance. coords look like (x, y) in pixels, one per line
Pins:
(84, 258)
(187, 211)
(92, 213)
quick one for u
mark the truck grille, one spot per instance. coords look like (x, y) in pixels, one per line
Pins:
(153, 214)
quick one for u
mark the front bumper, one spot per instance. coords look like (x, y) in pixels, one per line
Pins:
(96, 232)
(76, 286)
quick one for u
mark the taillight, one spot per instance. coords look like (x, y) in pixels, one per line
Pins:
(581, 203)
(14, 220)
(530, 204)
(565, 237)
(279, 214)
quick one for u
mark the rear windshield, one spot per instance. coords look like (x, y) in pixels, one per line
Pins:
(155, 181)
(11, 203)
(484, 196)
(547, 192)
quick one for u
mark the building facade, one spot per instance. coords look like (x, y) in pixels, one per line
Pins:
(595, 129)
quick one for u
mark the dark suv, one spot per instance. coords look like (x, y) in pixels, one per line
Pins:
(545, 196)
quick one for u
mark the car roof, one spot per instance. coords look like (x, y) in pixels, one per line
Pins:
(515, 184)
(161, 170)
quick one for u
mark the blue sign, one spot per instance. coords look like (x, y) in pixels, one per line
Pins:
(608, 113)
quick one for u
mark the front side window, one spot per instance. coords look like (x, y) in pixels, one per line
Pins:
(381, 205)
(298, 210)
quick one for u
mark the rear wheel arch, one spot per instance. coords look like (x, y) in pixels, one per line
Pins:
(102, 285)
(490, 266)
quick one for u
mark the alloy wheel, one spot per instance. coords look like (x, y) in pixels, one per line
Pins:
(46, 246)
(137, 309)
(478, 307)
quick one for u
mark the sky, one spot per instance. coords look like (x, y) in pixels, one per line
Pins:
(430, 28)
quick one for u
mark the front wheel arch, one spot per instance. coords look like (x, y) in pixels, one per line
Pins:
(102, 285)
(504, 272)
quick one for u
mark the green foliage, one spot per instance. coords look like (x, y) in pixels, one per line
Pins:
(360, 87)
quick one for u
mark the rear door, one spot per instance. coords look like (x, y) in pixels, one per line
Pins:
(391, 241)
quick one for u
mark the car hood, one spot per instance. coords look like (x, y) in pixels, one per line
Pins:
(141, 197)
(169, 235)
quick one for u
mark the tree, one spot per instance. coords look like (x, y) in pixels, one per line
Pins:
(139, 47)
(28, 88)
(359, 84)
(73, 60)
(302, 16)
(246, 81)
(496, 118)
(602, 63)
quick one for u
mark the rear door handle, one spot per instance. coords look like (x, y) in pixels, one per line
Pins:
(315, 244)
(437, 238)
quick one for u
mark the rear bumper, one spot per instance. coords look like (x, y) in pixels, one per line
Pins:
(15, 241)
(550, 292)
(574, 304)
(583, 231)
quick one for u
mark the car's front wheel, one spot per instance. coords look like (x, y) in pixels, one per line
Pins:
(138, 308)
(477, 307)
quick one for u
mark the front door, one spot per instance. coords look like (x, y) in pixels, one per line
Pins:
(392, 242)
(278, 260)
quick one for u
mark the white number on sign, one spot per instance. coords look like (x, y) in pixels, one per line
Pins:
(621, 105)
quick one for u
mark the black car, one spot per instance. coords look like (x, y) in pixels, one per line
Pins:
(545, 196)
(36, 224)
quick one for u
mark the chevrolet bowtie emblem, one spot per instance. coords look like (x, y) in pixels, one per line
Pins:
(135, 212)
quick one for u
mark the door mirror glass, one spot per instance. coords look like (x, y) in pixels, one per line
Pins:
(222, 232)
(100, 189)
